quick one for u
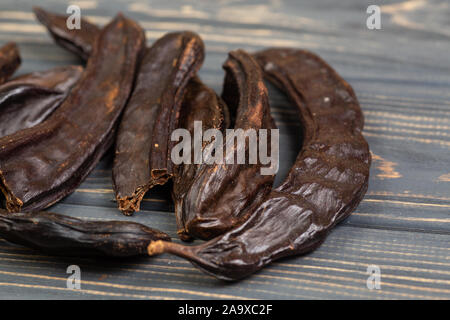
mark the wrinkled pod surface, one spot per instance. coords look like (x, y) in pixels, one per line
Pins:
(28, 100)
(220, 193)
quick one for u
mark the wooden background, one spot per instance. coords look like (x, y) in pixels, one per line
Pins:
(401, 75)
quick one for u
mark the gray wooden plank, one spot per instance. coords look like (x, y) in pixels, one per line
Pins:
(413, 266)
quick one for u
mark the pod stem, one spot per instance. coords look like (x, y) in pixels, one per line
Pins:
(160, 246)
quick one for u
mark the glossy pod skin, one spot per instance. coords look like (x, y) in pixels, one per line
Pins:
(216, 200)
(79, 41)
(29, 99)
(61, 235)
(41, 165)
(147, 122)
(200, 103)
(9, 60)
(327, 181)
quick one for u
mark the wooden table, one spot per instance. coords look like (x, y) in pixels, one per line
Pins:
(401, 75)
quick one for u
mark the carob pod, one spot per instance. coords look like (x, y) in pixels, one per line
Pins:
(200, 103)
(185, 66)
(41, 165)
(328, 180)
(79, 41)
(217, 198)
(152, 114)
(62, 235)
(9, 60)
(28, 100)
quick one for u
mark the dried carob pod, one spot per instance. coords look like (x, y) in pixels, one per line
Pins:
(220, 192)
(185, 66)
(41, 165)
(201, 104)
(327, 181)
(79, 41)
(28, 100)
(151, 116)
(58, 234)
(9, 60)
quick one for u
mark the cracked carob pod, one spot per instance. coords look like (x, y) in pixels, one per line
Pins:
(41, 165)
(216, 199)
(28, 100)
(328, 180)
(57, 234)
(200, 103)
(151, 116)
(79, 41)
(9, 60)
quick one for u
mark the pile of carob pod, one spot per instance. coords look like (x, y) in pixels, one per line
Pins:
(56, 125)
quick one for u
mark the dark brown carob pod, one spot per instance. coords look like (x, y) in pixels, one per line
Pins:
(216, 199)
(41, 165)
(9, 60)
(152, 114)
(29, 99)
(57, 234)
(328, 180)
(79, 41)
(202, 104)
(185, 66)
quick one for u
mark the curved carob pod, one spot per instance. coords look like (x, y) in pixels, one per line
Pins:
(9, 60)
(200, 103)
(28, 100)
(152, 114)
(328, 180)
(220, 193)
(41, 165)
(79, 41)
(57, 234)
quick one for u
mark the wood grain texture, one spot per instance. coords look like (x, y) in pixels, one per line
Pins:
(401, 75)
